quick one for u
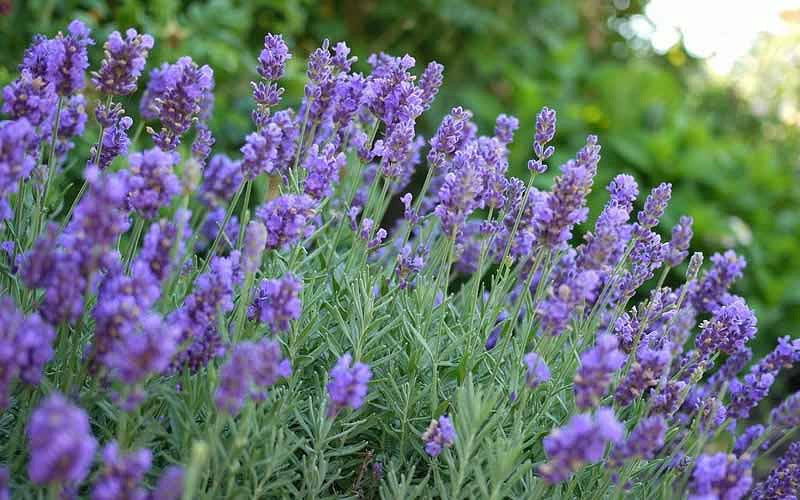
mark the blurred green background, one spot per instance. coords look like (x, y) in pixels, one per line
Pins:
(660, 117)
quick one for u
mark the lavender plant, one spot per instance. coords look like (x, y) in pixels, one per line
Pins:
(196, 325)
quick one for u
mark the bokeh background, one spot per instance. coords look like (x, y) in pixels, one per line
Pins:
(701, 94)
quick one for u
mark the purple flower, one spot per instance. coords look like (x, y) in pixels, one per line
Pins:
(5, 479)
(153, 182)
(347, 385)
(652, 360)
(170, 485)
(260, 152)
(122, 474)
(646, 256)
(115, 142)
(221, 179)
(390, 93)
(746, 394)
(365, 233)
(29, 97)
(144, 350)
(123, 63)
(255, 239)
(654, 205)
(71, 124)
(277, 302)
(667, 401)
(273, 57)
(176, 95)
(211, 227)
(565, 206)
(249, 372)
(323, 169)
(448, 137)
(784, 480)
(707, 296)
(17, 139)
(25, 347)
(460, 193)
(440, 435)
(288, 218)
(545, 131)
(349, 92)
(598, 365)
(409, 263)
(624, 190)
(786, 415)
(198, 317)
(729, 329)
(395, 149)
(720, 476)
(60, 441)
(582, 441)
(203, 142)
(430, 81)
(153, 261)
(678, 247)
(537, 372)
(570, 288)
(746, 438)
(504, 128)
(644, 441)
(67, 59)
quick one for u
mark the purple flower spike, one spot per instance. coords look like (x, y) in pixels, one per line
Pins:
(545, 132)
(348, 384)
(277, 302)
(123, 63)
(644, 441)
(720, 476)
(272, 59)
(582, 441)
(652, 359)
(153, 182)
(430, 81)
(598, 365)
(221, 179)
(678, 247)
(323, 169)
(177, 95)
(121, 475)
(288, 218)
(249, 372)
(440, 435)
(784, 480)
(60, 441)
(67, 59)
(537, 372)
(504, 128)
(728, 330)
(654, 205)
(170, 485)
(29, 97)
(448, 137)
(565, 206)
(709, 293)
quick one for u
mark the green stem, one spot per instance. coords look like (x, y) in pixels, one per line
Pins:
(51, 169)
(245, 210)
(228, 213)
(137, 233)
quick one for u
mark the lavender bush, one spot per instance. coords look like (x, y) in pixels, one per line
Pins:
(199, 326)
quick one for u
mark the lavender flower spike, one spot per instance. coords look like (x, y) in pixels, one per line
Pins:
(582, 441)
(348, 384)
(598, 364)
(123, 63)
(61, 442)
(784, 480)
(537, 372)
(720, 476)
(440, 435)
(272, 59)
(545, 131)
(277, 302)
(121, 475)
